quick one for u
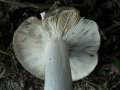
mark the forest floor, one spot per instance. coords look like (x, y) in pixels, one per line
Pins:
(106, 13)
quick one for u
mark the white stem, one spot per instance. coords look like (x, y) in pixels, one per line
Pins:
(57, 72)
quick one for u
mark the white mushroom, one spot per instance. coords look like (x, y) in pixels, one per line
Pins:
(61, 48)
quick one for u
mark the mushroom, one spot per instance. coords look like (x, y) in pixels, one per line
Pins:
(59, 49)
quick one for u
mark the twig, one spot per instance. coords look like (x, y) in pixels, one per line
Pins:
(35, 6)
(118, 83)
(112, 27)
(5, 53)
(91, 83)
(2, 73)
(19, 4)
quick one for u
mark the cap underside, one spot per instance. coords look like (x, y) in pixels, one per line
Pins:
(28, 44)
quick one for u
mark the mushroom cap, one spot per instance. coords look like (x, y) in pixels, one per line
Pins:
(81, 36)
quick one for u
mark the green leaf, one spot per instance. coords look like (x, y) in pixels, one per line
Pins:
(116, 62)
